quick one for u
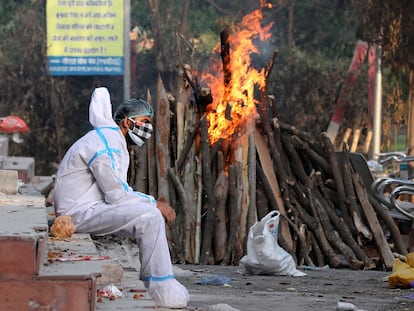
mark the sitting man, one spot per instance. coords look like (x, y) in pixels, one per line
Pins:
(91, 187)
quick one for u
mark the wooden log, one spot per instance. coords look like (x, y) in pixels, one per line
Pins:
(381, 241)
(204, 96)
(192, 130)
(320, 235)
(216, 147)
(334, 238)
(181, 104)
(316, 251)
(340, 226)
(267, 166)
(351, 196)
(284, 156)
(182, 227)
(162, 155)
(189, 179)
(220, 236)
(305, 247)
(339, 184)
(199, 194)
(355, 140)
(225, 54)
(173, 125)
(206, 256)
(252, 216)
(262, 200)
(382, 214)
(182, 194)
(367, 142)
(303, 214)
(234, 173)
(234, 253)
(239, 148)
(152, 165)
(162, 134)
(294, 160)
(319, 162)
(305, 137)
(280, 170)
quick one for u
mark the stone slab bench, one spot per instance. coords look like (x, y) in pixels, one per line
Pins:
(38, 272)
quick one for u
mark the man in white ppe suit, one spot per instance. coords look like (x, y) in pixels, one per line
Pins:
(91, 187)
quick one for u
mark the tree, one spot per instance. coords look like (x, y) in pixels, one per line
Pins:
(391, 24)
(315, 41)
(309, 68)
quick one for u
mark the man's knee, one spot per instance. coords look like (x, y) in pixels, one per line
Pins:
(156, 217)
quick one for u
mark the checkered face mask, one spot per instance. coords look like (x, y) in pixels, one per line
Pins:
(141, 132)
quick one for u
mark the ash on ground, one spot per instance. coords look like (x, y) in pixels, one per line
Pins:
(123, 251)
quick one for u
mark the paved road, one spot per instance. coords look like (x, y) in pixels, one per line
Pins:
(320, 290)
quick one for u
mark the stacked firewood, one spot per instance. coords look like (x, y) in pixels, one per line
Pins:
(219, 191)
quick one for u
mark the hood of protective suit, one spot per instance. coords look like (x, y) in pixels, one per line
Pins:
(100, 109)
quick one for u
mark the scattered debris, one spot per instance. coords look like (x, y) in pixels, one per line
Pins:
(62, 227)
(346, 306)
(109, 291)
(221, 307)
(214, 280)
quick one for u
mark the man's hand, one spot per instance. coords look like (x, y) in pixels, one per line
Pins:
(167, 211)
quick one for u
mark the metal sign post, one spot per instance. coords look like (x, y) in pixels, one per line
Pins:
(127, 53)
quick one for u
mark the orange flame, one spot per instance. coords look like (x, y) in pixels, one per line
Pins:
(233, 102)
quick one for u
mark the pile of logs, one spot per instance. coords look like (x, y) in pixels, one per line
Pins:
(219, 191)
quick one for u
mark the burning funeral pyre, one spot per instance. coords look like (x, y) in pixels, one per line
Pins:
(228, 162)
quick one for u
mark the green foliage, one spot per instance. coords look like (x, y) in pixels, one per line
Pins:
(324, 25)
(309, 72)
(390, 23)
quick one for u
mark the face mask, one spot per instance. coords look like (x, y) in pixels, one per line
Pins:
(140, 133)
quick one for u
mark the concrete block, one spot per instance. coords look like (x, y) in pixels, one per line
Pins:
(4, 146)
(8, 182)
(25, 167)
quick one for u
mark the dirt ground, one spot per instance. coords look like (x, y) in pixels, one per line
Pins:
(321, 289)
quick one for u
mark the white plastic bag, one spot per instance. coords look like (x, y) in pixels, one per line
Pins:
(264, 255)
(110, 291)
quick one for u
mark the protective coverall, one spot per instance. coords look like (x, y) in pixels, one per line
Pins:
(91, 187)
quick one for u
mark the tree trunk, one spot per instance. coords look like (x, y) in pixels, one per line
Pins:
(156, 30)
